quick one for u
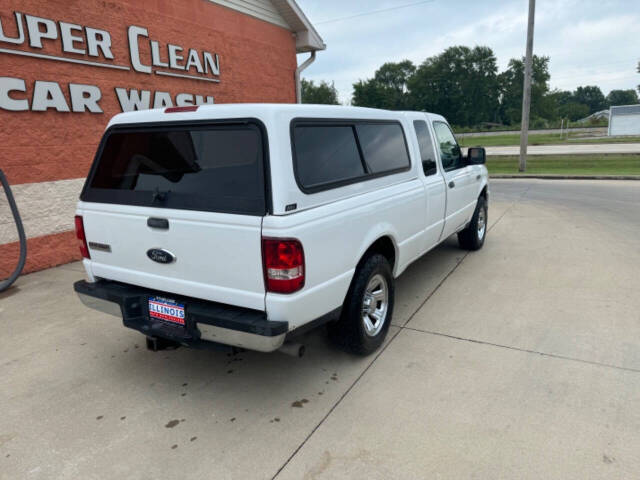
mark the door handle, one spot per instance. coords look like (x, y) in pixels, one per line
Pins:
(160, 223)
(452, 184)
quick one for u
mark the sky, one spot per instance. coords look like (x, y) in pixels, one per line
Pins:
(589, 42)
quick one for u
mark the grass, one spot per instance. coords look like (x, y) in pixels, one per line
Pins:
(537, 139)
(568, 164)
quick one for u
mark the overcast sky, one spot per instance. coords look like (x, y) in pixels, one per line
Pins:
(590, 42)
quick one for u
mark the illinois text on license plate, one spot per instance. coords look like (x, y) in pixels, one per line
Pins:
(167, 310)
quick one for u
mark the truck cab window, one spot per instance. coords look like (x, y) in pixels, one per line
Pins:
(426, 147)
(449, 150)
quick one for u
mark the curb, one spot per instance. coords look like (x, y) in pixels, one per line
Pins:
(567, 177)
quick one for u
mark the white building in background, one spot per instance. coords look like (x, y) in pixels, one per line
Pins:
(595, 116)
(624, 120)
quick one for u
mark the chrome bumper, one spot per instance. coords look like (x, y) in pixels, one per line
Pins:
(205, 321)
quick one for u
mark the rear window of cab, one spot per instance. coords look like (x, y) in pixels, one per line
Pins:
(329, 154)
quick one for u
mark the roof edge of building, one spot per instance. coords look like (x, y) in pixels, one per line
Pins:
(284, 13)
(307, 37)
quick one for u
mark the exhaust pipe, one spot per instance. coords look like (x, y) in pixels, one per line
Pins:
(293, 349)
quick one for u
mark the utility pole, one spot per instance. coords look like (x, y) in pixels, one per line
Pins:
(526, 91)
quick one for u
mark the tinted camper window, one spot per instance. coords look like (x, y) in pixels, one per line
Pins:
(329, 155)
(213, 168)
(383, 146)
(326, 154)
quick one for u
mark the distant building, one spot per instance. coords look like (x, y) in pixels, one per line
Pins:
(595, 116)
(624, 120)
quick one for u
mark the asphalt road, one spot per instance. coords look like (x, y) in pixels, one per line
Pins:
(521, 360)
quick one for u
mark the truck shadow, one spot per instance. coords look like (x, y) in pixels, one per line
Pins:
(323, 364)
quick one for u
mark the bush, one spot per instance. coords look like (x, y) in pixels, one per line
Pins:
(538, 123)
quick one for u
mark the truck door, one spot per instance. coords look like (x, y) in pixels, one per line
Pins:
(434, 185)
(459, 180)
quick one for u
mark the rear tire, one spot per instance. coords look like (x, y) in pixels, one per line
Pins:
(367, 309)
(472, 237)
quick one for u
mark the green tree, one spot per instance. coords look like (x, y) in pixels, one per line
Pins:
(622, 97)
(592, 97)
(564, 105)
(573, 111)
(323, 93)
(387, 89)
(460, 83)
(561, 97)
(511, 83)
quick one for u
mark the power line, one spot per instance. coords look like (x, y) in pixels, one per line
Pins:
(373, 12)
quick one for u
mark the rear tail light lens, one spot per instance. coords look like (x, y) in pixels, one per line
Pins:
(82, 239)
(283, 261)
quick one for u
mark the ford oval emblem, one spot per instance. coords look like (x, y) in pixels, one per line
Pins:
(161, 255)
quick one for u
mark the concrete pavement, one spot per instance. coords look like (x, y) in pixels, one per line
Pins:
(572, 149)
(592, 131)
(518, 361)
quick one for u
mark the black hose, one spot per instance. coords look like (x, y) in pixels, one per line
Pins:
(4, 284)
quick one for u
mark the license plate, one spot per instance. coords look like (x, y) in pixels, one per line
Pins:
(167, 310)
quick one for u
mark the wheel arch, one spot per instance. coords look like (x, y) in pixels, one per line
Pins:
(484, 187)
(382, 241)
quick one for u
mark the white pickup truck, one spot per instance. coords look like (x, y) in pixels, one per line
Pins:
(247, 224)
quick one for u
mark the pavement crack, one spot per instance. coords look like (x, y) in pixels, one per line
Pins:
(377, 355)
(524, 350)
(384, 347)
(353, 384)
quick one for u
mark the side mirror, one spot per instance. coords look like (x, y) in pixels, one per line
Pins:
(476, 156)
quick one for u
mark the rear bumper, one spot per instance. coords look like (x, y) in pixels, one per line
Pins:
(205, 322)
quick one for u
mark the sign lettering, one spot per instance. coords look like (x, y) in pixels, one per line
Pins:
(96, 46)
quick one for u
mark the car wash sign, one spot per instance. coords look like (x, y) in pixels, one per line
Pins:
(27, 35)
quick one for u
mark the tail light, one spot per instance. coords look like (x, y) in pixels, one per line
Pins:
(82, 239)
(283, 263)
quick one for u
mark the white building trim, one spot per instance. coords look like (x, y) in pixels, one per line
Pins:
(284, 13)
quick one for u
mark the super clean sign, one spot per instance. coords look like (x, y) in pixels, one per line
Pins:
(93, 47)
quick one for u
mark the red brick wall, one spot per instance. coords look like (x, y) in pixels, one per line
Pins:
(257, 64)
(42, 252)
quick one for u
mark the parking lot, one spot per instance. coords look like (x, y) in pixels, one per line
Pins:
(521, 360)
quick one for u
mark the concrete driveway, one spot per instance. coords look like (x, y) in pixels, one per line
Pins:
(518, 361)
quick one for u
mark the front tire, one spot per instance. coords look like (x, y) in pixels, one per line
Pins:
(472, 237)
(368, 308)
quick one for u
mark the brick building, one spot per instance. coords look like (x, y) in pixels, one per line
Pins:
(66, 67)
